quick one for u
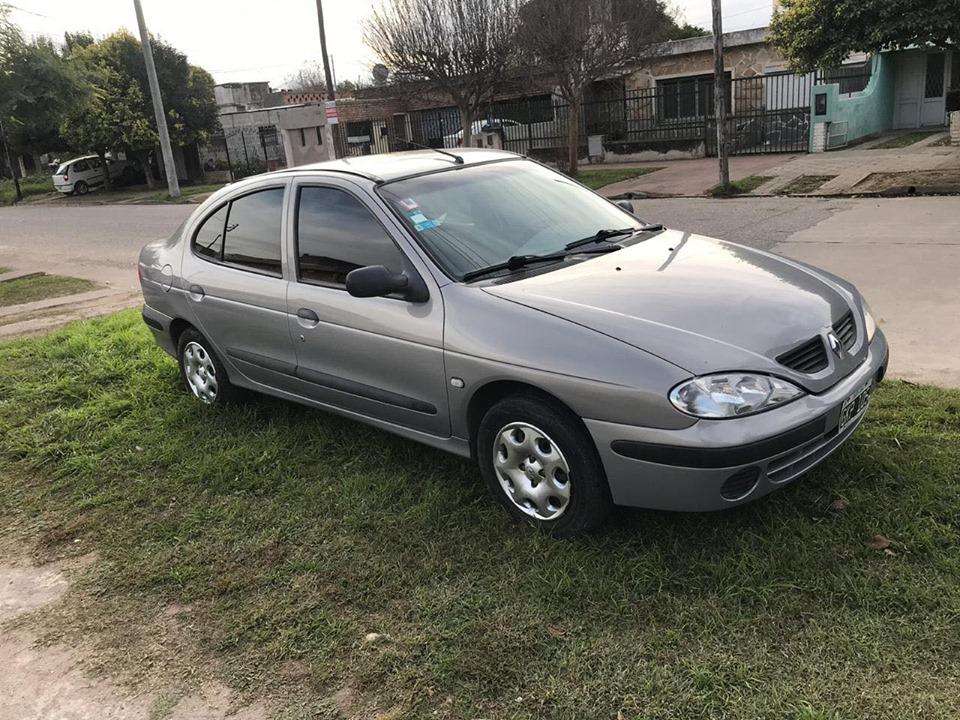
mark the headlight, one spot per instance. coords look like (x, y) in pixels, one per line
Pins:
(730, 395)
(869, 323)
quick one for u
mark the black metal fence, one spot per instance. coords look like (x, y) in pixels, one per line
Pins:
(768, 113)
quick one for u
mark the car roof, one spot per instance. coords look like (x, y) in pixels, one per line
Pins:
(384, 167)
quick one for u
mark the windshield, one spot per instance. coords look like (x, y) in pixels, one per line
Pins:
(482, 215)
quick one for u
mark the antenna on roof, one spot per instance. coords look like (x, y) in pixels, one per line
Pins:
(456, 158)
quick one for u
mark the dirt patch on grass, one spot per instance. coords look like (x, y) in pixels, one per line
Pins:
(43, 679)
(805, 184)
(946, 180)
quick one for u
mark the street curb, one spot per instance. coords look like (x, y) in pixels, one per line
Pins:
(20, 275)
(12, 310)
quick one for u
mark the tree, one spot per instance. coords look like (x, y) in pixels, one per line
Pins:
(684, 30)
(38, 86)
(118, 115)
(462, 48)
(309, 78)
(577, 41)
(822, 33)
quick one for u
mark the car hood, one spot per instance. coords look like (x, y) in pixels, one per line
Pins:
(699, 303)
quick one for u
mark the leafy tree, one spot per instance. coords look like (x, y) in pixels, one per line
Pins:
(577, 41)
(38, 86)
(462, 48)
(822, 33)
(118, 115)
(682, 31)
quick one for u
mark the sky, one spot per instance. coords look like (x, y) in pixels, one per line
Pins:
(243, 41)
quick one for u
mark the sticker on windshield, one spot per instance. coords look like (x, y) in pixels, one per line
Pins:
(409, 204)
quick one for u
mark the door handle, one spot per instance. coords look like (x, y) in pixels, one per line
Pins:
(307, 317)
(196, 293)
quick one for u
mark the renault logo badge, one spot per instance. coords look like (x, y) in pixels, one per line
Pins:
(835, 345)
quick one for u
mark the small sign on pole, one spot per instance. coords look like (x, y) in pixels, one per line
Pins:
(333, 117)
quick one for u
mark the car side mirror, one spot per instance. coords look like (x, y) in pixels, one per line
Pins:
(378, 281)
(625, 205)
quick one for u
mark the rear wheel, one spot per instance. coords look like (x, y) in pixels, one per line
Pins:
(201, 370)
(540, 464)
(80, 188)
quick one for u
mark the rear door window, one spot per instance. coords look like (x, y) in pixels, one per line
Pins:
(252, 232)
(208, 242)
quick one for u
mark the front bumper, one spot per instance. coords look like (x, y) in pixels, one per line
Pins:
(717, 464)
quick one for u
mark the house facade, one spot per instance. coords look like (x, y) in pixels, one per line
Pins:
(908, 89)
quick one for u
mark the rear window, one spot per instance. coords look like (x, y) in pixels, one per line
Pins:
(62, 170)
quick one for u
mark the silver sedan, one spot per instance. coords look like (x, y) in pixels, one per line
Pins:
(484, 304)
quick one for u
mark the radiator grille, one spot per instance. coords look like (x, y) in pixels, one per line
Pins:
(810, 357)
(846, 331)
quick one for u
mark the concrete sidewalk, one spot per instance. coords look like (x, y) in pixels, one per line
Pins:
(688, 178)
(848, 169)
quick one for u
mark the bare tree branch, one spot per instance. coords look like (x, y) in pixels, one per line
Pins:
(463, 48)
(578, 41)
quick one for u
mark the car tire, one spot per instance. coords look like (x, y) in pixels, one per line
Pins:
(541, 465)
(80, 188)
(202, 371)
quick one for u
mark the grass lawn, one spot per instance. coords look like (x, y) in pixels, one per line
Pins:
(596, 179)
(29, 186)
(261, 543)
(740, 187)
(905, 140)
(40, 287)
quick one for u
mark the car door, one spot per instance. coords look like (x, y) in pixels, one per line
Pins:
(233, 277)
(380, 357)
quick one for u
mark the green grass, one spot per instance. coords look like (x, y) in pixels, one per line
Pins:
(805, 184)
(30, 185)
(4, 269)
(905, 140)
(596, 179)
(284, 535)
(740, 187)
(40, 287)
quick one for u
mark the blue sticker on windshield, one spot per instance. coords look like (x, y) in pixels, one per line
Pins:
(426, 225)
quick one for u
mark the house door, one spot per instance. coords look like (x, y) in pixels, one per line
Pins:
(909, 90)
(933, 108)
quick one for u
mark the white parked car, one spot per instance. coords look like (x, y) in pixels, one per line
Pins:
(509, 128)
(77, 176)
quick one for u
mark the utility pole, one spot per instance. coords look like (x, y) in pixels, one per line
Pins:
(720, 97)
(13, 172)
(331, 92)
(173, 184)
(328, 77)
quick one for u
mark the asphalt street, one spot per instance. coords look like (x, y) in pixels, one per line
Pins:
(903, 253)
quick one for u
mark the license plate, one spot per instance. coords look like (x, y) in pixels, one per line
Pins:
(854, 405)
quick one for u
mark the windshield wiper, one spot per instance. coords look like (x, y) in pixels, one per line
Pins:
(606, 234)
(521, 261)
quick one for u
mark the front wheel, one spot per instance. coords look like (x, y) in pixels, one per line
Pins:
(541, 465)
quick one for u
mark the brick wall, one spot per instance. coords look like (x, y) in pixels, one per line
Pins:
(741, 61)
